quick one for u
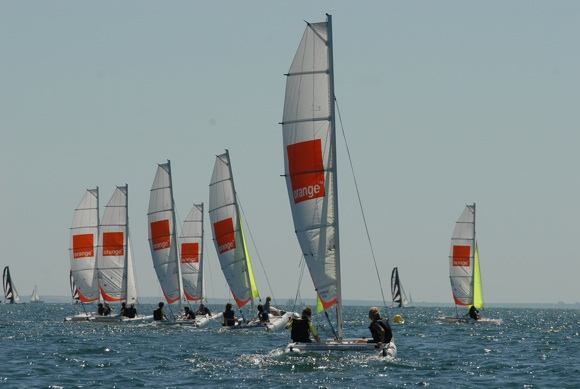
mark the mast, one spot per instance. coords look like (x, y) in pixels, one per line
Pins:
(334, 176)
(174, 234)
(202, 258)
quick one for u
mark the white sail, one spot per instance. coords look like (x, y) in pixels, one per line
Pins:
(10, 292)
(84, 238)
(114, 257)
(310, 160)
(397, 291)
(35, 297)
(162, 235)
(228, 234)
(191, 242)
(461, 257)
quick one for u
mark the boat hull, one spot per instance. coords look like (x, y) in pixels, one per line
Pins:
(467, 320)
(387, 350)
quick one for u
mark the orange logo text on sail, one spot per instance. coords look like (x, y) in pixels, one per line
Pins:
(160, 236)
(224, 235)
(461, 255)
(83, 246)
(306, 170)
(190, 252)
(113, 244)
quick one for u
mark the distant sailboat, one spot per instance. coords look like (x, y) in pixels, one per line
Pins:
(35, 297)
(10, 293)
(310, 160)
(464, 272)
(73, 288)
(397, 291)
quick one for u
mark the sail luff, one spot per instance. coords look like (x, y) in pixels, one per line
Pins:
(335, 175)
(477, 286)
(174, 238)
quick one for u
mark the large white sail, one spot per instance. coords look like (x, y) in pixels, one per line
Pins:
(10, 292)
(461, 257)
(114, 258)
(228, 234)
(310, 159)
(162, 235)
(191, 241)
(83, 254)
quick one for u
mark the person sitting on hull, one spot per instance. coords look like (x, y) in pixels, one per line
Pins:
(159, 314)
(229, 316)
(303, 327)
(473, 313)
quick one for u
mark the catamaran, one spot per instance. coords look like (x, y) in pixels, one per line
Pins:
(10, 293)
(84, 235)
(397, 291)
(35, 297)
(230, 244)
(174, 272)
(310, 155)
(464, 272)
(111, 271)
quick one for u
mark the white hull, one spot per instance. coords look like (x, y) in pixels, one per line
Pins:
(199, 322)
(454, 319)
(94, 318)
(275, 323)
(388, 350)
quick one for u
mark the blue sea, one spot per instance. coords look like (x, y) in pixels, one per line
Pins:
(531, 348)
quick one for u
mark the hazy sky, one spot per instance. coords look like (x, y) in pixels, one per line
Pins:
(444, 104)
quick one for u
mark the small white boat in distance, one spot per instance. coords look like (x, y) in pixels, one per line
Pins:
(35, 297)
(464, 271)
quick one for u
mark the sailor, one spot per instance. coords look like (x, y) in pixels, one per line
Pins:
(380, 328)
(263, 314)
(303, 327)
(229, 316)
(158, 314)
(189, 315)
(473, 313)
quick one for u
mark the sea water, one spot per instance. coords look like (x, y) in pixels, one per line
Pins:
(530, 348)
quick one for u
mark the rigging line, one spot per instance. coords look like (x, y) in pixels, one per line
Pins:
(360, 202)
(302, 265)
(256, 248)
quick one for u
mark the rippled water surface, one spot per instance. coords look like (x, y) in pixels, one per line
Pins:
(531, 348)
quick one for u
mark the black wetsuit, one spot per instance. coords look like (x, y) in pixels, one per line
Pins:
(376, 333)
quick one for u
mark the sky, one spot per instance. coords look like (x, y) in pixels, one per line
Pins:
(443, 104)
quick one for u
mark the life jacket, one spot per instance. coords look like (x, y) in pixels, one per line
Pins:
(375, 333)
(300, 330)
(157, 315)
(229, 318)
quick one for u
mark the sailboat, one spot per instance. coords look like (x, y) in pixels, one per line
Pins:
(116, 267)
(230, 244)
(309, 138)
(35, 297)
(84, 235)
(164, 247)
(73, 289)
(464, 271)
(397, 291)
(10, 293)
(102, 267)
(192, 261)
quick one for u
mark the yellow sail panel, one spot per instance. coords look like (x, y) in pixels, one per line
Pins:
(253, 285)
(477, 288)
